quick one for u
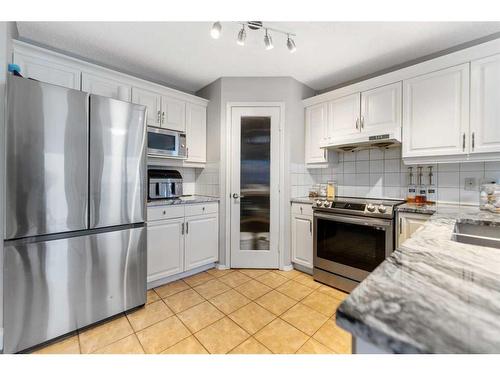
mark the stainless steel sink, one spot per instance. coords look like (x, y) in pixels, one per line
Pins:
(477, 234)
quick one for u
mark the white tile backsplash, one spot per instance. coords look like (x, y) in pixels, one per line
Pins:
(379, 173)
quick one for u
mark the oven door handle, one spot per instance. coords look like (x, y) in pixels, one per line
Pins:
(369, 222)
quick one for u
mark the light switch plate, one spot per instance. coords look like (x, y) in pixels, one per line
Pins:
(470, 184)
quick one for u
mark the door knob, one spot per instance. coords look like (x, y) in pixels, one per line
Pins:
(236, 196)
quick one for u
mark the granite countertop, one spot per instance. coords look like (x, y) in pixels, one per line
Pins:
(432, 295)
(427, 209)
(188, 199)
(304, 200)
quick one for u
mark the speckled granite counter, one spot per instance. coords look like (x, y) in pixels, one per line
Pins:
(191, 199)
(427, 209)
(304, 200)
(432, 295)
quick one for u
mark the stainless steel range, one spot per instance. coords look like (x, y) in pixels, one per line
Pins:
(352, 236)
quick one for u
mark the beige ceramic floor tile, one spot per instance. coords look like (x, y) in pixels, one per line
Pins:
(163, 335)
(198, 279)
(152, 296)
(253, 289)
(289, 274)
(294, 290)
(334, 338)
(148, 315)
(304, 318)
(200, 316)
(281, 338)
(252, 317)
(332, 292)
(234, 279)
(322, 303)
(187, 346)
(183, 300)
(172, 288)
(275, 302)
(127, 345)
(250, 346)
(272, 279)
(253, 273)
(211, 288)
(229, 301)
(308, 281)
(104, 334)
(219, 273)
(222, 336)
(314, 347)
(68, 345)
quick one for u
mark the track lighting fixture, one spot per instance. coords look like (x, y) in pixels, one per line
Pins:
(216, 32)
(242, 36)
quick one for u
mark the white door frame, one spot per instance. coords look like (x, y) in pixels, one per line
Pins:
(227, 198)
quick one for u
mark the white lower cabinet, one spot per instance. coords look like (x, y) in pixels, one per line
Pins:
(409, 223)
(302, 237)
(178, 242)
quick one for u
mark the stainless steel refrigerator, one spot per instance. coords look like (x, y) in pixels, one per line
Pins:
(75, 239)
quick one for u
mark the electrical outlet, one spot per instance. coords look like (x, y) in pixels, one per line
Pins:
(471, 184)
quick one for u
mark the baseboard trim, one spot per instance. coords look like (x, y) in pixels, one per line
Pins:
(169, 279)
(222, 267)
(288, 267)
(304, 269)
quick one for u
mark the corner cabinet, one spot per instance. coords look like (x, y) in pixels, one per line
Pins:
(436, 113)
(302, 235)
(196, 133)
(181, 238)
(315, 132)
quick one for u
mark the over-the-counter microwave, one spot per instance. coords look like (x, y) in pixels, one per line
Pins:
(166, 143)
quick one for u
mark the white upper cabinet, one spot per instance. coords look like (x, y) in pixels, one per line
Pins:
(45, 69)
(485, 105)
(343, 116)
(315, 129)
(152, 101)
(106, 86)
(173, 114)
(381, 109)
(436, 113)
(196, 133)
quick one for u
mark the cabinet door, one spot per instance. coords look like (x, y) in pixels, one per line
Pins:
(436, 113)
(152, 101)
(315, 127)
(485, 105)
(48, 70)
(173, 112)
(343, 116)
(165, 248)
(408, 224)
(381, 109)
(196, 133)
(302, 241)
(202, 240)
(100, 85)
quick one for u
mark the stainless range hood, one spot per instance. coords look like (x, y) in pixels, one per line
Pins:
(359, 141)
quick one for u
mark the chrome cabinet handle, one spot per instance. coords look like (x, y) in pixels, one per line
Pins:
(187, 227)
(357, 123)
(463, 142)
(310, 226)
(473, 142)
(158, 119)
(182, 229)
(362, 122)
(163, 117)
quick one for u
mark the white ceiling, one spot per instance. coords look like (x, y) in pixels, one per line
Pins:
(184, 55)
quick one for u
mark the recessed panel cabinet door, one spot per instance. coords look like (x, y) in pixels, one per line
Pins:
(196, 133)
(202, 240)
(408, 224)
(436, 113)
(302, 241)
(104, 86)
(152, 101)
(316, 123)
(165, 248)
(173, 114)
(381, 109)
(485, 105)
(343, 116)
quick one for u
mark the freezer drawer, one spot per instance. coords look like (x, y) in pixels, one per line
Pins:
(57, 286)
(117, 162)
(46, 159)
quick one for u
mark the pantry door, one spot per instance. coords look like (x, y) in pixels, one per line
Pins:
(254, 193)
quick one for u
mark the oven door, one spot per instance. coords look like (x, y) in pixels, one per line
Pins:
(163, 142)
(351, 246)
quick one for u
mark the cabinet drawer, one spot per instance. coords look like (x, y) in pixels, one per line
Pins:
(302, 209)
(165, 212)
(202, 208)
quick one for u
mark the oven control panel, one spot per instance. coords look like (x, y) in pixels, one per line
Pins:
(370, 209)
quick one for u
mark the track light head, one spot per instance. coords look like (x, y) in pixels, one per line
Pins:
(290, 44)
(216, 30)
(268, 41)
(241, 36)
